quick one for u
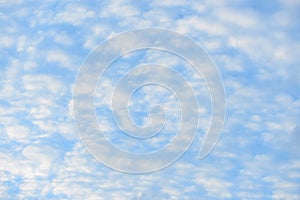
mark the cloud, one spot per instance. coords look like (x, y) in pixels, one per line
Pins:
(119, 9)
(74, 14)
(255, 46)
(6, 42)
(193, 23)
(17, 133)
(243, 18)
(62, 59)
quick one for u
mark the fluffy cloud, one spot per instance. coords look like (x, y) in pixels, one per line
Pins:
(255, 46)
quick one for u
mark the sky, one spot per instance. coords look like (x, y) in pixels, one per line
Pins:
(255, 45)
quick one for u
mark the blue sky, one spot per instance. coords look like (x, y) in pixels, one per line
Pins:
(255, 46)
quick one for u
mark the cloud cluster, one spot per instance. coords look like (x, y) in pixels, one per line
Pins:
(254, 44)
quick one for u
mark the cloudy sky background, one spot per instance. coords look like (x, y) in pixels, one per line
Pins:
(254, 44)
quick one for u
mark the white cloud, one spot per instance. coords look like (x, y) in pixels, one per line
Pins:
(74, 14)
(242, 18)
(169, 3)
(17, 133)
(63, 38)
(120, 9)
(6, 42)
(62, 58)
(193, 23)
(41, 158)
(258, 150)
(39, 83)
(216, 188)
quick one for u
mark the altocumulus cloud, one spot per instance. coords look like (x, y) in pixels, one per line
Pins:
(255, 46)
